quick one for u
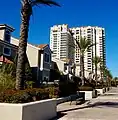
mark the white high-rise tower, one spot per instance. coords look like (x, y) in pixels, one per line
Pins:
(95, 35)
(61, 42)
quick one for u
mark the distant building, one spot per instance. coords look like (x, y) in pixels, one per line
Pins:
(61, 42)
(95, 35)
(8, 51)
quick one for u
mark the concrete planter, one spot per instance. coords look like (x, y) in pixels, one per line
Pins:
(89, 94)
(62, 100)
(40, 110)
(108, 88)
(105, 89)
(100, 91)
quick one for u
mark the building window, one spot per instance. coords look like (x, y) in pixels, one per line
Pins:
(46, 57)
(7, 51)
(7, 36)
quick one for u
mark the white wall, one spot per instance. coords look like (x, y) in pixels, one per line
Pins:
(40, 110)
(2, 34)
(89, 94)
(77, 71)
(59, 63)
(10, 111)
(32, 52)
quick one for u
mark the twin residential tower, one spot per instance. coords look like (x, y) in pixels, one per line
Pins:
(63, 45)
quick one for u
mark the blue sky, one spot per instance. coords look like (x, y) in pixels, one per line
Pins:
(102, 13)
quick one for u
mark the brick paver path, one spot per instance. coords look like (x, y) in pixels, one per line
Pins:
(104, 107)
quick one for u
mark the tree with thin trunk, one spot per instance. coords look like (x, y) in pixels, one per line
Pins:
(84, 45)
(96, 61)
(26, 12)
(108, 76)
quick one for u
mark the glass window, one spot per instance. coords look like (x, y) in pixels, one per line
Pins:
(7, 36)
(46, 57)
(7, 51)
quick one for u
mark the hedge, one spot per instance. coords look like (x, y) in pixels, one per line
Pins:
(85, 88)
(23, 96)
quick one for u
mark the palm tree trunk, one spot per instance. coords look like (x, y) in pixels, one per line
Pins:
(95, 61)
(96, 73)
(82, 68)
(20, 71)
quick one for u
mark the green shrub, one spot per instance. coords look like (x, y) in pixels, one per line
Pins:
(30, 84)
(23, 96)
(67, 88)
(53, 92)
(113, 83)
(8, 69)
(85, 88)
(99, 87)
(6, 81)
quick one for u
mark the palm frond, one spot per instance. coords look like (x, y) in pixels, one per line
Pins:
(96, 60)
(77, 42)
(72, 46)
(44, 2)
(91, 45)
(85, 44)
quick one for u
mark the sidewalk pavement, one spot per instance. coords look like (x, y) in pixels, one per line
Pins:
(104, 107)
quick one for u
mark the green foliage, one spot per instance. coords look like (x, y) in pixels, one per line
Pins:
(67, 88)
(29, 84)
(84, 45)
(43, 2)
(28, 72)
(8, 74)
(108, 73)
(53, 92)
(6, 81)
(23, 96)
(99, 87)
(54, 74)
(96, 60)
(116, 82)
(113, 83)
(8, 69)
(52, 89)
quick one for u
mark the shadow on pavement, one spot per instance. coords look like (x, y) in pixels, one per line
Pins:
(59, 115)
(97, 104)
(105, 104)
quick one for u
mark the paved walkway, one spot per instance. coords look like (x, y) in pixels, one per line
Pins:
(104, 107)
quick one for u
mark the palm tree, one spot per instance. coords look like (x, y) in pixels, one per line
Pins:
(108, 76)
(26, 12)
(96, 60)
(83, 45)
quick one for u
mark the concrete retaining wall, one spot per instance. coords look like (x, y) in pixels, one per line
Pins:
(100, 91)
(89, 94)
(40, 110)
(62, 100)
